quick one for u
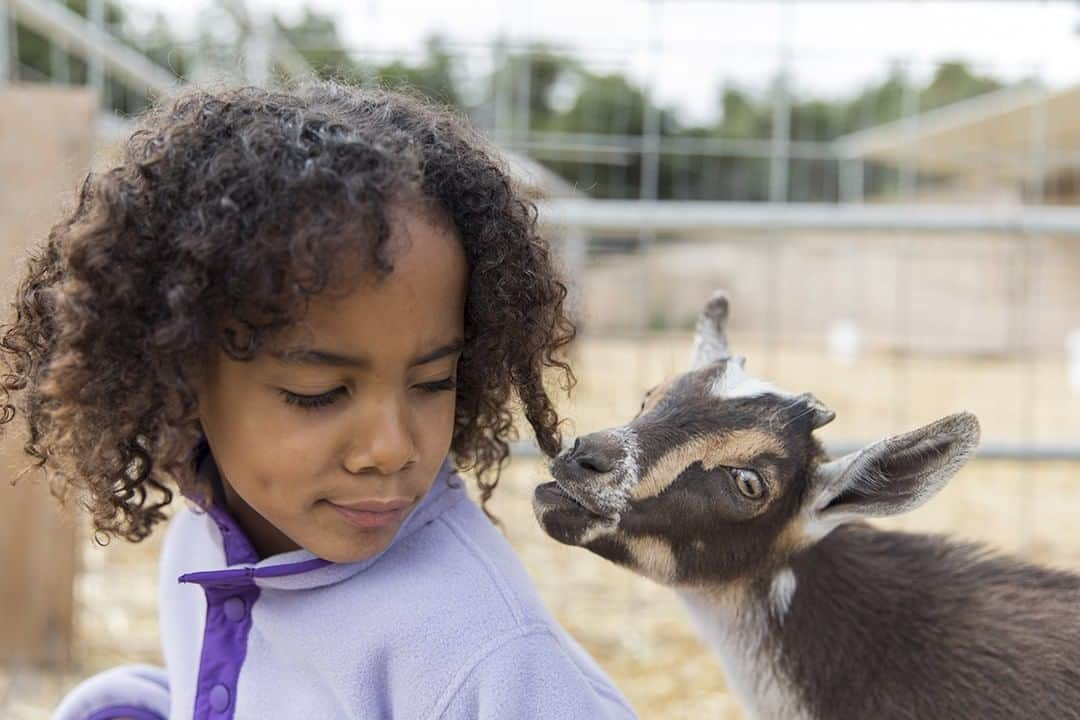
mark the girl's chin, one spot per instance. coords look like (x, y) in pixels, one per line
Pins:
(359, 547)
(343, 536)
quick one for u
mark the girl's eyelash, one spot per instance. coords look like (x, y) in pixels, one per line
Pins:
(440, 385)
(312, 402)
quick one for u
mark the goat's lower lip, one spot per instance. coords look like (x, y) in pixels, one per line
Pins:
(552, 492)
(555, 494)
(369, 518)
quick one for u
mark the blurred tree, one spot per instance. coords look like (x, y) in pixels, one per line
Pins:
(164, 47)
(877, 104)
(813, 119)
(315, 37)
(552, 82)
(35, 51)
(741, 118)
(433, 76)
(563, 96)
(609, 104)
(953, 81)
(39, 61)
(605, 104)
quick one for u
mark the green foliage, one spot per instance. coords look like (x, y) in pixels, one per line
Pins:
(953, 81)
(315, 36)
(564, 96)
(552, 78)
(741, 118)
(163, 47)
(39, 61)
(434, 76)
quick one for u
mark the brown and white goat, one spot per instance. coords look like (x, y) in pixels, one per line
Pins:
(719, 489)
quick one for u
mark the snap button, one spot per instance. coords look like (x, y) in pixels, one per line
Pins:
(235, 609)
(219, 698)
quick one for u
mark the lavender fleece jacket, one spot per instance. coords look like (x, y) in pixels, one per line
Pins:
(443, 624)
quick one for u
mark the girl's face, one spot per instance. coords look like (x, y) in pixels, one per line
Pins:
(330, 437)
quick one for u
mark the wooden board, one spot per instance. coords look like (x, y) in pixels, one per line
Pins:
(46, 146)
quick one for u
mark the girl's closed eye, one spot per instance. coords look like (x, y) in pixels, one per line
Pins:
(435, 386)
(312, 402)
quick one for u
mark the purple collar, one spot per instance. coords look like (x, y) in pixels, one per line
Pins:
(238, 548)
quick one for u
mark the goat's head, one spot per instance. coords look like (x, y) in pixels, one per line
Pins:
(719, 476)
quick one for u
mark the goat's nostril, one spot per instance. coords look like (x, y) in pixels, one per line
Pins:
(594, 464)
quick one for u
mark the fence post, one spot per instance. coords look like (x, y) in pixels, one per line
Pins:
(46, 145)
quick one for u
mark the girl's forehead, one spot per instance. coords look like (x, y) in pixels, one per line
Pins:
(421, 301)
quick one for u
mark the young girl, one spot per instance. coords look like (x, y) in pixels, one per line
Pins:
(304, 310)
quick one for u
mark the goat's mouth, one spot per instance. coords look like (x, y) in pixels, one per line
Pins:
(563, 517)
(554, 496)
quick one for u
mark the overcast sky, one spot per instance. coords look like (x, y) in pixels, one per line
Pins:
(836, 47)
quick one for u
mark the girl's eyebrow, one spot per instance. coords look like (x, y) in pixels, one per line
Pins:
(310, 356)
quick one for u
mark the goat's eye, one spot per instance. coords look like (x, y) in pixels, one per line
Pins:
(749, 482)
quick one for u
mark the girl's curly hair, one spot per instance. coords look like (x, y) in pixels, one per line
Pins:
(230, 208)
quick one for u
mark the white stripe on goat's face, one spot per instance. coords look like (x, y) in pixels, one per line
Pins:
(736, 382)
(700, 486)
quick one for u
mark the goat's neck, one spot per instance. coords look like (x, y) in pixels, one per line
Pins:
(734, 622)
(747, 625)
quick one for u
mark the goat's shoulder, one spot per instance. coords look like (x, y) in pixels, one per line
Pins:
(948, 628)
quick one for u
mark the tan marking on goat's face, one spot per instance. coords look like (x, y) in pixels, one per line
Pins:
(735, 449)
(791, 540)
(653, 557)
(740, 448)
(667, 468)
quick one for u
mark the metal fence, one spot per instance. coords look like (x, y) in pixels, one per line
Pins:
(794, 187)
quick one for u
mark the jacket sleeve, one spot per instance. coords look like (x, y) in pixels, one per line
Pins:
(532, 676)
(138, 692)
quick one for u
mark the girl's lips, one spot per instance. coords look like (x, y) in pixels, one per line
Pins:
(376, 505)
(373, 513)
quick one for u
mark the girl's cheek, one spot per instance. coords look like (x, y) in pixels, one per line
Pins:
(438, 417)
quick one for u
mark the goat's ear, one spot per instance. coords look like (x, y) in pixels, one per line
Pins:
(820, 414)
(894, 475)
(710, 338)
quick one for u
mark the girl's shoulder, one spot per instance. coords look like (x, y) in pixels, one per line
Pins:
(487, 608)
(463, 556)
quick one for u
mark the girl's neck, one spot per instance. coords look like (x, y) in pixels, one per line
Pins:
(264, 537)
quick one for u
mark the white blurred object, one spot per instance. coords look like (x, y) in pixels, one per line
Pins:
(1072, 358)
(845, 342)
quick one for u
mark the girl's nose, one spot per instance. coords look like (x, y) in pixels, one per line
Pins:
(382, 441)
